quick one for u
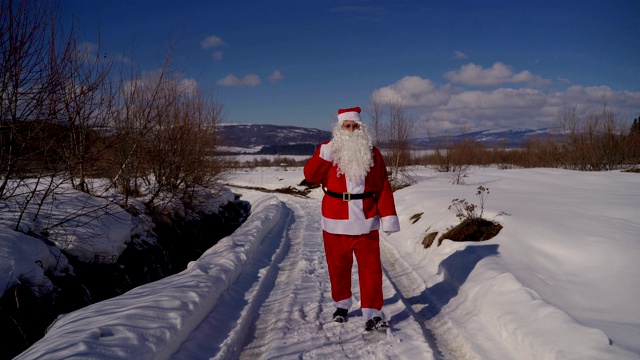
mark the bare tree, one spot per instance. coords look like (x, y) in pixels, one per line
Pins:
(32, 54)
(399, 130)
(376, 113)
(462, 155)
(27, 79)
(166, 133)
(181, 146)
(132, 121)
(568, 119)
(596, 140)
(84, 104)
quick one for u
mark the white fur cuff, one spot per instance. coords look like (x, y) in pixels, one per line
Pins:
(390, 224)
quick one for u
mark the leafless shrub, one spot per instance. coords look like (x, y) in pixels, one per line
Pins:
(83, 105)
(465, 210)
(472, 227)
(283, 162)
(440, 160)
(392, 119)
(597, 140)
(34, 66)
(180, 151)
(132, 121)
(463, 155)
(456, 158)
(29, 58)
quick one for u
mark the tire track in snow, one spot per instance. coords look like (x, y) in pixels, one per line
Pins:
(298, 290)
(445, 341)
(295, 321)
(442, 330)
(230, 321)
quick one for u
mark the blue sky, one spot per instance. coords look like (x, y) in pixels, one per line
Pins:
(453, 64)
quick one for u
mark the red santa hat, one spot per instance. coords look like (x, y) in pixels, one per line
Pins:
(349, 114)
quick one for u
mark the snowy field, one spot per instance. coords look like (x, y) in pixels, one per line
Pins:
(560, 281)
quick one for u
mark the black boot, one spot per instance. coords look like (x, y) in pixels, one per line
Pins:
(376, 323)
(340, 315)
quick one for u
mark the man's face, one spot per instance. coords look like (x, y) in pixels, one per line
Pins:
(350, 125)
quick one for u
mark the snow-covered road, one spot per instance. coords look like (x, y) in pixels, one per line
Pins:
(280, 306)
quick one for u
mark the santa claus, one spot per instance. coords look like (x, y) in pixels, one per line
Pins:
(358, 202)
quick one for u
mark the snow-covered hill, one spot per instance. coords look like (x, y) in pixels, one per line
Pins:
(512, 138)
(271, 139)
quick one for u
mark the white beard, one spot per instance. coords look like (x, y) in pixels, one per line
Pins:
(352, 152)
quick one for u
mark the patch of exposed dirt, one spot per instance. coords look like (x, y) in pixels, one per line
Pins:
(472, 230)
(633, 170)
(429, 239)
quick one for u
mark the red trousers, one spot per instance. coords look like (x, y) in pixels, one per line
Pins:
(340, 250)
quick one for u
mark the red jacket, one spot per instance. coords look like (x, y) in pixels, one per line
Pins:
(353, 217)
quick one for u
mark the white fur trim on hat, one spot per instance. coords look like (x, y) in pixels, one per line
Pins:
(349, 114)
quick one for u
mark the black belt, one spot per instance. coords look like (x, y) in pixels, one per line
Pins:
(346, 196)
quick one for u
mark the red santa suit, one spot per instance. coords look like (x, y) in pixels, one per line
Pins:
(350, 226)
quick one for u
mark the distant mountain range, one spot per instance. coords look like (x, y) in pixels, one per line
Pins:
(271, 139)
(505, 138)
(292, 140)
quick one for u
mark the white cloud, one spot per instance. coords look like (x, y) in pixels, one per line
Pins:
(446, 108)
(503, 98)
(495, 109)
(212, 41)
(189, 86)
(598, 96)
(249, 80)
(158, 77)
(276, 76)
(413, 91)
(217, 56)
(87, 49)
(498, 74)
(459, 55)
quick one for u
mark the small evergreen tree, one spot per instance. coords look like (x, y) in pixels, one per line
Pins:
(635, 127)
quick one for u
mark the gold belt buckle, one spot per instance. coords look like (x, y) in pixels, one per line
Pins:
(346, 196)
